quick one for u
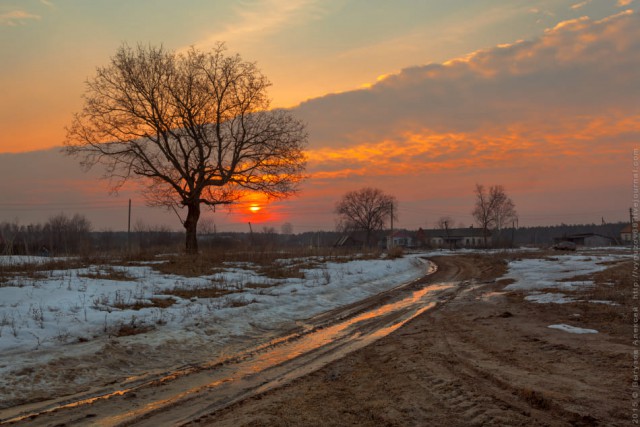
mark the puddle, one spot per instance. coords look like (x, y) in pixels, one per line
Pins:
(252, 372)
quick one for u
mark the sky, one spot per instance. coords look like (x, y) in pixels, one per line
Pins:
(422, 99)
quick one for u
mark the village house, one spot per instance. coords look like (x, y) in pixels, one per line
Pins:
(626, 234)
(402, 239)
(454, 238)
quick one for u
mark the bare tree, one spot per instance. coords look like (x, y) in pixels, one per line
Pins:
(286, 228)
(493, 209)
(68, 235)
(445, 222)
(195, 127)
(367, 209)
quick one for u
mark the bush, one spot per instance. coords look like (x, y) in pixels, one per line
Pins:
(395, 252)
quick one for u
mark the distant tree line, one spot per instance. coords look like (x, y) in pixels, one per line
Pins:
(61, 234)
(72, 235)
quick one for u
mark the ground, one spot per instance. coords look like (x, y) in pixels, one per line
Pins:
(485, 357)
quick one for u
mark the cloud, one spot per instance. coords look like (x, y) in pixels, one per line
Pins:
(580, 5)
(17, 17)
(257, 19)
(558, 113)
(47, 3)
(623, 3)
(580, 68)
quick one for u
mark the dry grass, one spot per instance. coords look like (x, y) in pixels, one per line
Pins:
(128, 329)
(395, 252)
(108, 272)
(272, 264)
(150, 303)
(615, 284)
(211, 291)
(607, 306)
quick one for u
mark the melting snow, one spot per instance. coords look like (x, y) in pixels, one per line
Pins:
(549, 298)
(572, 329)
(64, 307)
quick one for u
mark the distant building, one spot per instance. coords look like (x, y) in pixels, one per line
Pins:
(626, 234)
(400, 238)
(587, 239)
(458, 238)
(351, 240)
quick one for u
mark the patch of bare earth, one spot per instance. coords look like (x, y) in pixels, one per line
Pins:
(485, 357)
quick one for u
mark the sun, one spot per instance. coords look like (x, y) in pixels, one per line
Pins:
(254, 208)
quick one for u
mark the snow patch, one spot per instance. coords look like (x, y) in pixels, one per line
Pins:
(572, 329)
(547, 298)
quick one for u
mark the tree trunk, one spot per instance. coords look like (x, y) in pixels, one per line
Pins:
(191, 226)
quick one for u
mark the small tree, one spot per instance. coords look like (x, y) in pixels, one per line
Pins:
(493, 209)
(445, 223)
(195, 128)
(367, 209)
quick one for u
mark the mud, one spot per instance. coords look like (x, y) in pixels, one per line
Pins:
(485, 357)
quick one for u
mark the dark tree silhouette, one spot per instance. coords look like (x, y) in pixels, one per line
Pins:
(493, 209)
(366, 210)
(195, 127)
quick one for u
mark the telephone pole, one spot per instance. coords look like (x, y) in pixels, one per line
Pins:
(129, 228)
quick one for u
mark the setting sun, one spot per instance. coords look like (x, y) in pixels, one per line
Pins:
(254, 208)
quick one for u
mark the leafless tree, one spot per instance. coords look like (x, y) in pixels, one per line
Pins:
(445, 223)
(195, 127)
(367, 209)
(286, 228)
(68, 234)
(493, 209)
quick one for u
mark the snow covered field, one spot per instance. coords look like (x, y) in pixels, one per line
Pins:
(64, 311)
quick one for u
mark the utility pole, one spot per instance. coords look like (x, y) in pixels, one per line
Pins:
(446, 229)
(391, 236)
(129, 228)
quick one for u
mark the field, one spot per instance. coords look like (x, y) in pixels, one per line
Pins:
(517, 338)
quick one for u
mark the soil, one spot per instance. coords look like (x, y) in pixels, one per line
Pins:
(485, 357)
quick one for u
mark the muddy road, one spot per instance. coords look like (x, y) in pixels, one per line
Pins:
(483, 357)
(194, 391)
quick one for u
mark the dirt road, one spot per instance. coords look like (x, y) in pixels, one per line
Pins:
(482, 358)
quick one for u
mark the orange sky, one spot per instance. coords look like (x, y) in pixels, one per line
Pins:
(547, 106)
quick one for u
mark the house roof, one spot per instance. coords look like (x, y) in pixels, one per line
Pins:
(582, 236)
(627, 228)
(457, 233)
(401, 234)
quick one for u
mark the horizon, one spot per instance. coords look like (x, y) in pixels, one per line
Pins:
(421, 101)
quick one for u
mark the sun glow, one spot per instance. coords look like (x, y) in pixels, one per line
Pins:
(254, 208)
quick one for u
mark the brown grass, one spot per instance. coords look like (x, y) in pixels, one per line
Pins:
(151, 303)
(268, 263)
(395, 252)
(129, 329)
(213, 291)
(108, 272)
